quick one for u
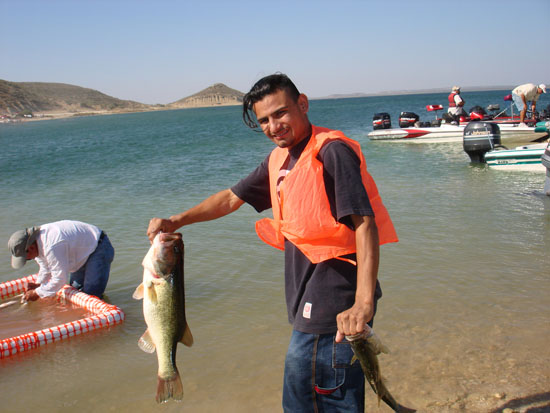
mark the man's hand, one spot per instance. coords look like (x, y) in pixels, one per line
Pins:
(31, 295)
(157, 225)
(353, 320)
(32, 286)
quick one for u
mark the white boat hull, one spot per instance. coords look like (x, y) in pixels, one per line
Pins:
(452, 133)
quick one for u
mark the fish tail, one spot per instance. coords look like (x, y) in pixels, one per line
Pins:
(170, 387)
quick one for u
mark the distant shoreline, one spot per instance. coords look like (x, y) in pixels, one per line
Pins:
(41, 116)
(415, 92)
(52, 115)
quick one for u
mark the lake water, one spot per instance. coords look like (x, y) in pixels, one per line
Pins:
(466, 308)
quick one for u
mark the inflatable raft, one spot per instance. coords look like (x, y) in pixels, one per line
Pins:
(104, 315)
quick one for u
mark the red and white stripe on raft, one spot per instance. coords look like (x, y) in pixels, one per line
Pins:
(104, 315)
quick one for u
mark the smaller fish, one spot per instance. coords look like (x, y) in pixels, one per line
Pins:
(366, 346)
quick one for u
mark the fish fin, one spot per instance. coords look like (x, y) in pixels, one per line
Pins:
(187, 338)
(168, 388)
(151, 293)
(146, 343)
(353, 359)
(138, 294)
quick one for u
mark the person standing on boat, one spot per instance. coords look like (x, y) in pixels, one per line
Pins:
(330, 226)
(63, 250)
(456, 104)
(522, 94)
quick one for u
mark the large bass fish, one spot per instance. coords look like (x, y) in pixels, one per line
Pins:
(163, 297)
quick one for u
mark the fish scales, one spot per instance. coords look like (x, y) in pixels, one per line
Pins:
(162, 291)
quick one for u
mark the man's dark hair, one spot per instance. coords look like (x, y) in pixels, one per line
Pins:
(263, 87)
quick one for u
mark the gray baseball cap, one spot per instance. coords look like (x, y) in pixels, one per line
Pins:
(19, 243)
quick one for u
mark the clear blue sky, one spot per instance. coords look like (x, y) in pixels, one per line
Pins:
(161, 51)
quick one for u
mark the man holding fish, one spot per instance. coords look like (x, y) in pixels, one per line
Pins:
(330, 220)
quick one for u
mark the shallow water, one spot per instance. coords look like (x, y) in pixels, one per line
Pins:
(22, 318)
(465, 309)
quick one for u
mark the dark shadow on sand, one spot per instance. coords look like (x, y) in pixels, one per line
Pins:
(523, 403)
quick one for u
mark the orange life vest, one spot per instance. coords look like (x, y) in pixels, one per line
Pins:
(301, 212)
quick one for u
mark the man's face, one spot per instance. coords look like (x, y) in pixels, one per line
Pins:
(283, 120)
(32, 252)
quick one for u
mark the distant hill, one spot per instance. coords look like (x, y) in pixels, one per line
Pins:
(60, 99)
(17, 97)
(215, 95)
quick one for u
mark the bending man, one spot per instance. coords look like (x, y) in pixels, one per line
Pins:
(64, 249)
(527, 93)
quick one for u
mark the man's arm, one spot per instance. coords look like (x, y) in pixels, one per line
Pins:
(213, 207)
(353, 320)
(55, 265)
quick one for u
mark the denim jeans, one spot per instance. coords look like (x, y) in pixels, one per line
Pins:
(319, 377)
(92, 277)
(518, 101)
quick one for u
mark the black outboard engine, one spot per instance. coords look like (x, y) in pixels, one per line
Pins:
(381, 120)
(477, 113)
(480, 138)
(408, 119)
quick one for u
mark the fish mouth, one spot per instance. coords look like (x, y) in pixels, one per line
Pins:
(168, 248)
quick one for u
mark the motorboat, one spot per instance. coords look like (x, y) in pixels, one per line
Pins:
(453, 133)
(534, 158)
(482, 143)
(445, 130)
(521, 158)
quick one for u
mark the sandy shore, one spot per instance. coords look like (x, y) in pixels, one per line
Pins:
(62, 115)
(37, 116)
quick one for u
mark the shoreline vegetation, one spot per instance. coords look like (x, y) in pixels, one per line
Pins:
(35, 101)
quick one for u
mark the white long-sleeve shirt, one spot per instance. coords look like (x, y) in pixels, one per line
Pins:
(63, 248)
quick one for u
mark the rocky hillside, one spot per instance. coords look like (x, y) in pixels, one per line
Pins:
(216, 95)
(18, 97)
(60, 100)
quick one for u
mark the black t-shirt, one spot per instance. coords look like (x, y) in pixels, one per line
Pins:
(316, 293)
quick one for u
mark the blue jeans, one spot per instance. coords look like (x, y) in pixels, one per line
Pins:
(92, 277)
(319, 377)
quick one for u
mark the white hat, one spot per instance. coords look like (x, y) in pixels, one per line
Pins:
(455, 88)
(543, 87)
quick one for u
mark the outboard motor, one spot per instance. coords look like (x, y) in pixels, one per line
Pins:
(480, 138)
(381, 120)
(408, 119)
(477, 113)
